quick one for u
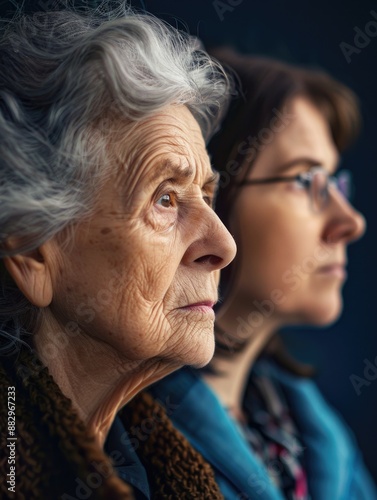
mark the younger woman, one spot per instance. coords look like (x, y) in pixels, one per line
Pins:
(256, 415)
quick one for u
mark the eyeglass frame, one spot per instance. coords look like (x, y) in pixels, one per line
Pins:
(332, 180)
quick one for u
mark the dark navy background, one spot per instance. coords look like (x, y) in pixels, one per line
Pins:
(311, 33)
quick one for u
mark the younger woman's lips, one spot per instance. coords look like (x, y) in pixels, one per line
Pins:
(336, 270)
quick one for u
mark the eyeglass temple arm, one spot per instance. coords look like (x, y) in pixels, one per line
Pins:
(270, 180)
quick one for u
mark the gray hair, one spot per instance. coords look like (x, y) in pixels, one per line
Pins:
(61, 74)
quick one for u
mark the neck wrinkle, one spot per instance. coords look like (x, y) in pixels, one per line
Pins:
(94, 376)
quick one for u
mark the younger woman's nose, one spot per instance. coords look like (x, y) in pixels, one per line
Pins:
(345, 223)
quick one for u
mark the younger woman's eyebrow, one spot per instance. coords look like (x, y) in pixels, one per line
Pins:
(304, 161)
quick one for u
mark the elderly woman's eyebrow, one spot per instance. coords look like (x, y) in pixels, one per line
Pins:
(173, 171)
(212, 180)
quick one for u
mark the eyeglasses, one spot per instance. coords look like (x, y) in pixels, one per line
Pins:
(317, 182)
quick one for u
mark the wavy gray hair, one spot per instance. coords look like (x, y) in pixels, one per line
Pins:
(61, 75)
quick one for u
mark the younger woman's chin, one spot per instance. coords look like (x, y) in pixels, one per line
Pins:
(326, 314)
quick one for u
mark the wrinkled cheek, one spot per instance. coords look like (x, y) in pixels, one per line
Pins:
(141, 324)
(156, 286)
(155, 280)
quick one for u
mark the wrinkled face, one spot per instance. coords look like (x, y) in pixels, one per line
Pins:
(140, 275)
(288, 255)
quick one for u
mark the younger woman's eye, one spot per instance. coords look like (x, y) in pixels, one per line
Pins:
(299, 184)
(166, 200)
(302, 183)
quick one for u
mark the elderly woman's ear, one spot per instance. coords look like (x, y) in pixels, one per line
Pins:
(32, 273)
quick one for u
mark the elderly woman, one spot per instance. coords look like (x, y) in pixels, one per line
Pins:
(286, 205)
(109, 251)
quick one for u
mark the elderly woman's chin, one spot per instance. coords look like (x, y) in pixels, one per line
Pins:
(196, 347)
(204, 351)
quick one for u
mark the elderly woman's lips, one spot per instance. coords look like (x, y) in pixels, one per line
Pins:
(204, 307)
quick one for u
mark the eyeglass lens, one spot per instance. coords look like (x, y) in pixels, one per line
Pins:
(319, 187)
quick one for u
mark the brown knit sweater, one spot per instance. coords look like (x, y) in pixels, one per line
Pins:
(55, 455)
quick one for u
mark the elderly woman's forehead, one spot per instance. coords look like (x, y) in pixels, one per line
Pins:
(170, 135)
(174, 125)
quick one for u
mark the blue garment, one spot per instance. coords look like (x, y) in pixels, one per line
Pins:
(334, 467)
(126, 462)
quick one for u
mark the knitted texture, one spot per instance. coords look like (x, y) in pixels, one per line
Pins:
(55, 455)
(175, 469)
(57, 458)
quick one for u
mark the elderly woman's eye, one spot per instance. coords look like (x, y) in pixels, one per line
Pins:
(208, 200)
(166, 200)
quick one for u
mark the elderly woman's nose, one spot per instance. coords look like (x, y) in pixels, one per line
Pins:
(214, 246)
(345, 223)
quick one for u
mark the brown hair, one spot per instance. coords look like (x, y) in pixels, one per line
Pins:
(266, 87)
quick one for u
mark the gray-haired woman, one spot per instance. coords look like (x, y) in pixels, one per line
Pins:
(109, 249)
